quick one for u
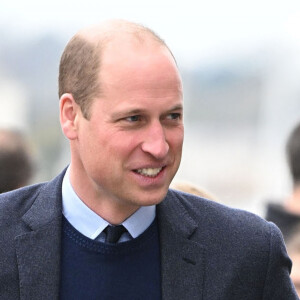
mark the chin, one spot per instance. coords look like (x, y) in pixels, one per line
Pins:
(152, 199)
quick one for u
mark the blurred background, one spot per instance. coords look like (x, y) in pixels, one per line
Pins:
(240, 65)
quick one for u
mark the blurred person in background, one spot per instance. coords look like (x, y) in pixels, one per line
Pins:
(108, 226)
(287, 215)
(16, 166)
(191, 188)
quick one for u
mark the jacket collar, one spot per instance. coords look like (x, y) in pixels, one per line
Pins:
(38, 249)
(182, 258)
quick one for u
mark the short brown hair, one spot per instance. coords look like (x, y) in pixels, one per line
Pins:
(78, 72)
(80, 62)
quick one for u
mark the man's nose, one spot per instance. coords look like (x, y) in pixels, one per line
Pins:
(155, 142)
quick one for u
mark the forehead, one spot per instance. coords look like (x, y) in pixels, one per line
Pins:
(129, 64)
(136, 78)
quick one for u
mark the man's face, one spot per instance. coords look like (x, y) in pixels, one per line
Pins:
(129, 150)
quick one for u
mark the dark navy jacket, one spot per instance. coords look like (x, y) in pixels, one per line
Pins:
(208, 251)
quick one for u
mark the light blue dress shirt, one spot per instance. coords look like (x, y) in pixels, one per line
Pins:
(87, 222)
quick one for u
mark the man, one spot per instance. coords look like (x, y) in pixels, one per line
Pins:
(121, 109)
(16, 165)
(287, 215)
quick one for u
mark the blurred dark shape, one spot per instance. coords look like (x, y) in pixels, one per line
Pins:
(293, 155)
(16, 166)
(284, 219)
(287, 215)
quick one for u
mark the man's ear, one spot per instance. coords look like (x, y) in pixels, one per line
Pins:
(69, 113)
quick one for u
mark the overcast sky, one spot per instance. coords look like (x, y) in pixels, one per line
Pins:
(194, 30)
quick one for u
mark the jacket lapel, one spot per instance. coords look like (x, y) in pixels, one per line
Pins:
(38, 250)
(182, 259)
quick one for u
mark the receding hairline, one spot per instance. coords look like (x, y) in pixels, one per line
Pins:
(111, 29)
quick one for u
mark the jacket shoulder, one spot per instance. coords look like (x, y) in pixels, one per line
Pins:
(15, 203)
(222, 220)
(239, 243)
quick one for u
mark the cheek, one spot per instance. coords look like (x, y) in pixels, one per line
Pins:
(175, 140)
(125, 142)
(92, 143)
(116, 154)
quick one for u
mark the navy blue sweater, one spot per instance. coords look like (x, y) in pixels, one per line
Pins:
(94, 270)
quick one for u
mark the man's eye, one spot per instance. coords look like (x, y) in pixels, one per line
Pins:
(133, 118)
(174, 116)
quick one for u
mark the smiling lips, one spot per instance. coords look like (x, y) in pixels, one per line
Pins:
(149, 172)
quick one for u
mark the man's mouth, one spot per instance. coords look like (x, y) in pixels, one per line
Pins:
(149, 172)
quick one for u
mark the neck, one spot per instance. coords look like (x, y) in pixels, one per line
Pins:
(109, 211)
(107, 207)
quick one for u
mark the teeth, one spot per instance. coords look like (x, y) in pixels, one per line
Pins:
(150, 172)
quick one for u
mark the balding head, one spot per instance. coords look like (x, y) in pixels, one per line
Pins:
(80, 63)
(118, 29)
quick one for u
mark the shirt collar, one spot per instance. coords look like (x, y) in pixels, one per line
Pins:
(90, 224)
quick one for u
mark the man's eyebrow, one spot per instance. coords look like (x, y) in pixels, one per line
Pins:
(129, 112)
(177, 107)
(138, 111)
